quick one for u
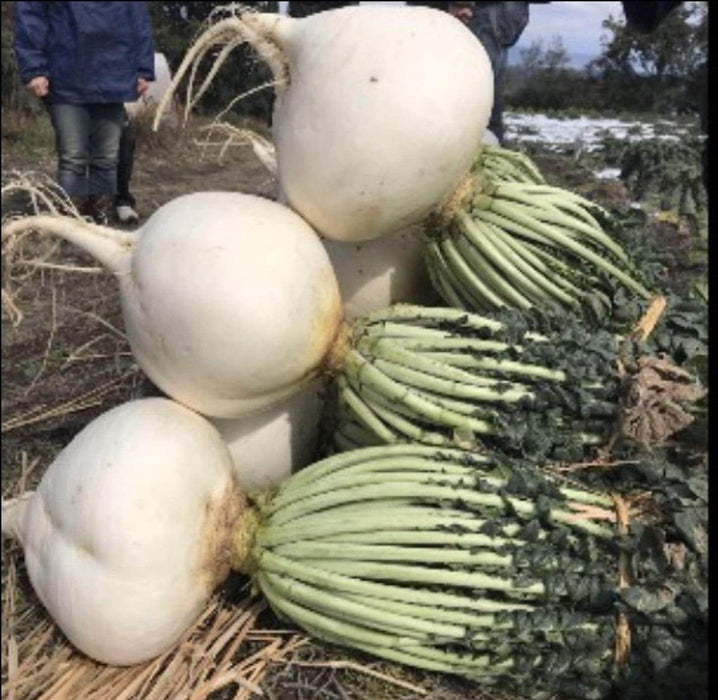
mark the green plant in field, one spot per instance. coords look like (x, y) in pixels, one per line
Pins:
(669, 170)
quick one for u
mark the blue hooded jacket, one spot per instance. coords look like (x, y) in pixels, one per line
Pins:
(89, 51)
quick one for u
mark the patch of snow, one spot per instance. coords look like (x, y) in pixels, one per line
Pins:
(581, 133)
(608, 174)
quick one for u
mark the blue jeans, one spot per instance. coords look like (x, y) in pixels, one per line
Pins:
(87, 138)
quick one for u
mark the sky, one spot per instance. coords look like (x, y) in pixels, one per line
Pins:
(578, 24)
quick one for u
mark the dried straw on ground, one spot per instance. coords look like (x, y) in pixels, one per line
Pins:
(208, 658)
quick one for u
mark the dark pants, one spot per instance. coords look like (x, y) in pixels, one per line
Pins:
(496, 122)
(498, 26)
(498, 55)
(87, 138)
(125, 163)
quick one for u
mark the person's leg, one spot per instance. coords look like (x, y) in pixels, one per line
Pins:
(125, 163)
(496, 122)
(72, 127)
(105, 131)
(484, 31)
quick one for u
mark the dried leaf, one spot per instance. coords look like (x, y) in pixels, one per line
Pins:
(651, 407)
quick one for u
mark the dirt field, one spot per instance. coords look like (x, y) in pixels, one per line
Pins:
(68, 360)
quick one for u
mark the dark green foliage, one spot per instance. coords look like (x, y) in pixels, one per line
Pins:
(682, 330)
(669, 599)
(668, 169)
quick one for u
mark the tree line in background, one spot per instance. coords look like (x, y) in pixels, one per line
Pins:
(663, 72)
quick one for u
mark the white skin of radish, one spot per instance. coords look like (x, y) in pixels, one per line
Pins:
(375, 274)
(155, 91)
(230, 302)
(382, 116)
(268, 447)
(113, 536)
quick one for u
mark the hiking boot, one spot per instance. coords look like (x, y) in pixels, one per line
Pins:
(100, 208)
(126, 214)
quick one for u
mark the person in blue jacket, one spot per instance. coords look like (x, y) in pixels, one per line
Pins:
(85, 60)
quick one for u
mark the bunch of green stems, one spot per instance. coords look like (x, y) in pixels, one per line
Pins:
(448, 561)
(444, 377)
(506, 165)
(514, 241)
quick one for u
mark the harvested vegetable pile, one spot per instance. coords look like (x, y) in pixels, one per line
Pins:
(514, 498)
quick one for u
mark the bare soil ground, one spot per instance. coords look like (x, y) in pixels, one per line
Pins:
(68, 360)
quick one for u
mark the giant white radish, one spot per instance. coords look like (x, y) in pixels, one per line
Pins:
(267, 447)
(229, 300)
(378, 114)
(130, 529)
(378, 119)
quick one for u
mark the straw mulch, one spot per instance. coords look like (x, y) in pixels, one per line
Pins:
(41, 667)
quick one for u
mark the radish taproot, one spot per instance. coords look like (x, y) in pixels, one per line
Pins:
(229, 300)
(130, 529)
(379, 111)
